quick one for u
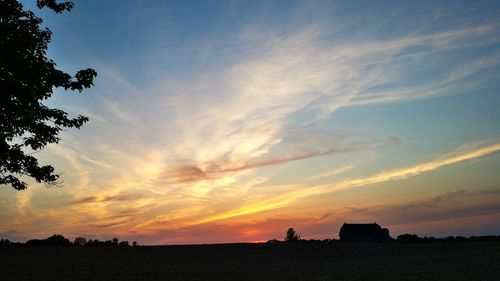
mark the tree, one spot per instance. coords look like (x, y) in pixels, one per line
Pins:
(28, 78)
(123, 243)
(54, 240)
(291, 235)
(80, 241)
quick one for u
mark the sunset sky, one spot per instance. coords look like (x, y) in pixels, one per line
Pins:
(230, 121)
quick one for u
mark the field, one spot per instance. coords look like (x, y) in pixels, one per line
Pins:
(290, 261)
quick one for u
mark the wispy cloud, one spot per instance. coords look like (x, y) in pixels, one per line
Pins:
(235, 118)
(289, 75)
(332, 173)
(111, 198)
(293, 74)
(418, 169)
(446, 206)
(292, 197)
(218, 168)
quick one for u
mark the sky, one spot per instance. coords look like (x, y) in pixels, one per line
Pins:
(231, 121)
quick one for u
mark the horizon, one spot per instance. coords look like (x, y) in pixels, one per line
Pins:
(336, 238)
(231, 121)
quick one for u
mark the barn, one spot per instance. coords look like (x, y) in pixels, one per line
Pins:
(363, 232)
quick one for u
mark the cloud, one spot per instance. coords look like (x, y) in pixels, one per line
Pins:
(185, 173)
(123, 197)
(297, 74)
(110, 198)
(462, 156)
(332, 173)
(446, 206)
(326, 225)
(466, 225)
(235, 117)
(294, 152)
(302, 191)
(108, 225)
(84, 200)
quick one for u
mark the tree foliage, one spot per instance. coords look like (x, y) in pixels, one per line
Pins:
(54, 240)
(291, 235)
(27, 79)
(80, 241)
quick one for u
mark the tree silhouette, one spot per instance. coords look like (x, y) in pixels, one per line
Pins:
(291, 235)
(54, 240)
(27, 78)
(80, 241)
(123, 243)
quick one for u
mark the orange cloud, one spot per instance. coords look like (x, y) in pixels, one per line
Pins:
(217, 168)
(294, 196)
(117, 197)
(418, 169)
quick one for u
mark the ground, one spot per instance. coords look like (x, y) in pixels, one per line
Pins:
(286, 261)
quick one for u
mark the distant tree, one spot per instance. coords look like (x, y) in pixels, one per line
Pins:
(273, 241)
(91, 242)
(408, 238)
(291, 235)
(28, 78)
(135, 244)
(123, 243)
(5, 242)
(58, 240)
(8, 243)
(54, 240)
(80, 241)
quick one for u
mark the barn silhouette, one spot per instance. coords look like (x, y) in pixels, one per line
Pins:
(363, 232)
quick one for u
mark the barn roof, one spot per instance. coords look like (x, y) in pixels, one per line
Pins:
(360, 227)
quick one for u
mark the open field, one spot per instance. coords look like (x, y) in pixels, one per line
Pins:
(288, 261)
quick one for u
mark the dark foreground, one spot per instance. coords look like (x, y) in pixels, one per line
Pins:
(293, 261)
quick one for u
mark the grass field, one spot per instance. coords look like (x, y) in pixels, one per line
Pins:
(286, 261)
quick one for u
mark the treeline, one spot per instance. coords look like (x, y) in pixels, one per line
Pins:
(406, 238)
(413, 238)
(60, 241)
(276, 241)
(292, 236)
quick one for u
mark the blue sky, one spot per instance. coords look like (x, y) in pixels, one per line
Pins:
(239, 119)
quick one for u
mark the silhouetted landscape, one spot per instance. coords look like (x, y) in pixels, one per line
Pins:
(408, 257)
(230, 121)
